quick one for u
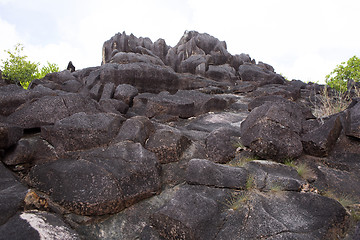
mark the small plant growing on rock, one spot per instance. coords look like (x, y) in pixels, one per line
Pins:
(329, 104)
(302, 169)
(237, 200)
(250, 183)
(344, 200)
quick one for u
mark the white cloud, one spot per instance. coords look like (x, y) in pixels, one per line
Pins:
(9, 36)
(303, 40)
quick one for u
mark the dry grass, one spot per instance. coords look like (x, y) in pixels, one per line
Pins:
(329, 104)
(237, 200)
(302, 169)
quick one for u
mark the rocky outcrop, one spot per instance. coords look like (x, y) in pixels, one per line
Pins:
(273, 130)
(183, 142)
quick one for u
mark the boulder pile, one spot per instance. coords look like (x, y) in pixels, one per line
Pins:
(184, 142)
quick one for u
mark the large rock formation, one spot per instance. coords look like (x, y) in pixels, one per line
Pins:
(183, 142)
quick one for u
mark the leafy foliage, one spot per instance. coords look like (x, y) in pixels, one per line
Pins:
(19, 70)
(337, 79)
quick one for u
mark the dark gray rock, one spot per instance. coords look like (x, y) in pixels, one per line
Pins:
(30, 150)
(121, 42)
(258, 101)
(151, 105)
(107, 179)
(203, 102)
(131, 223)
(136, 129)
(190, 64)
(12, 194)
(82, 131)
(320, 141)
(108, 91)
(124, 58)
(286, 91)
(71, 86)
(136, 169)
(9, 135)
(126, 93)
(223, 72)
(204, 172)
(268, 175)
(220, 144)
(184, 104)
(113, 106)
(13, 96)
(244, 87)
(55, 80)
(47, 110)
(352, 123)
(272, 131)
(193, 213)
(251, 72)
(94, 192)
(95, 91)
(37, 225)
(289, 215)
(145, 77)
(168, 144)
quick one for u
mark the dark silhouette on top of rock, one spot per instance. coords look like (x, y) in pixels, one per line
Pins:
(71, 67)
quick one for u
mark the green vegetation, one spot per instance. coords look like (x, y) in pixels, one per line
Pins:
(302, 169)
(18, 70)
(337, 79)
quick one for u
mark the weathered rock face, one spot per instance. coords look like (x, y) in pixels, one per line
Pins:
(82, 131)
(321, 140)
(353, 120)
(12, 194)
(159, 142)
(272, 130)
(37, 225)
(101, 181)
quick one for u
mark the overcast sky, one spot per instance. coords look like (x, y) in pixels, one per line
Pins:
(301, 39)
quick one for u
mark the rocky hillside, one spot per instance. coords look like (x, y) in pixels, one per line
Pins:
(184, 142)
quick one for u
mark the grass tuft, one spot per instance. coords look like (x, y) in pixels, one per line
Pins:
(330, 103)
(302, 169)
(237, 200)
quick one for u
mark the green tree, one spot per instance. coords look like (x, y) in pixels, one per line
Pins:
(337, 79)
(19, 70)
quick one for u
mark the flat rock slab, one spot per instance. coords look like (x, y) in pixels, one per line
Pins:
(267, 175)
(82, 131)
(100, 181)
(37, 225)
(146, 77)
(204, 172)
(168, 144)
(193, 213)
(285, 215)
(184, 104)
(47, 110)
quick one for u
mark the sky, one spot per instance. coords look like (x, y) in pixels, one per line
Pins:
(302, 40)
